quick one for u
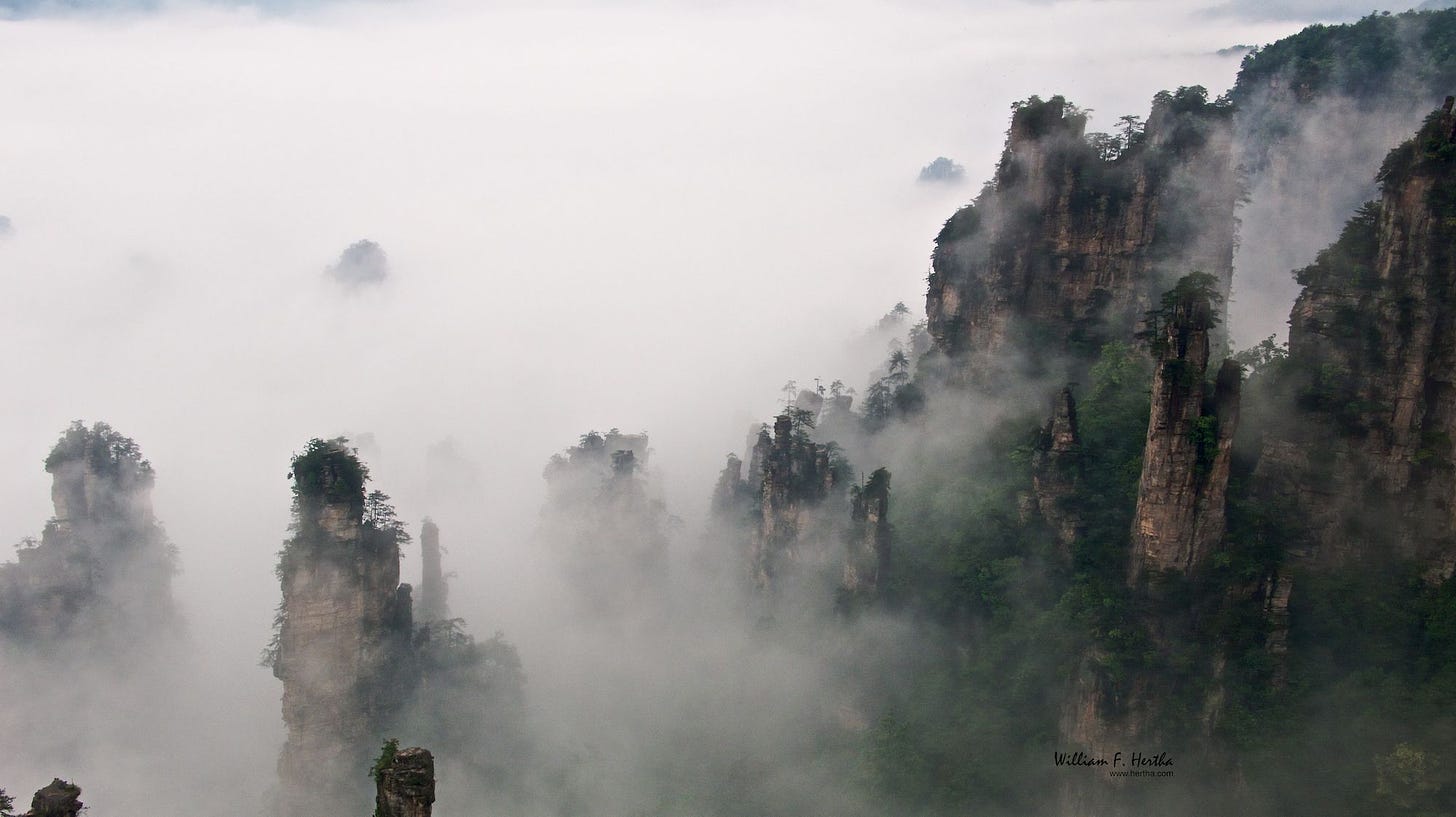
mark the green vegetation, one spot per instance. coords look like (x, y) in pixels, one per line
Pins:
(105, 451)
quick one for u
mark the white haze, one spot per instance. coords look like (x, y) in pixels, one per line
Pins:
(638, 215)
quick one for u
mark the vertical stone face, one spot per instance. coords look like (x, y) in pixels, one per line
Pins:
(343, 651)
(1057, 470)
(868, 560)
(1179, 517)
(1368, 460)
(405, 786)
(434, 591)
(1069, 246)
(103, 565)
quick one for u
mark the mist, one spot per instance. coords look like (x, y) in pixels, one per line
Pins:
(645, 216)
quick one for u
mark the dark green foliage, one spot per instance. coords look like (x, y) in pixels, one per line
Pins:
(105, 451)
(387, 753)
(1350, 261)
(329, 470)
(977, 722)
(1373, 61)
(7, 805)
(1191, 304)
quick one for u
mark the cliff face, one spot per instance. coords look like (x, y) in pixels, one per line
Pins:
(343, 651)
(1179, 517)
(103, 566)
(405, 784)
(1075, 237)
(1369, 460)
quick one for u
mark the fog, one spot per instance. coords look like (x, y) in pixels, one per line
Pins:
(642, 215)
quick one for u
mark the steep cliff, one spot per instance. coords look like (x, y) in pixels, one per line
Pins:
(1368, 461)
(343, 651)
(1179, 518)
(1075, 236)
(103, 566)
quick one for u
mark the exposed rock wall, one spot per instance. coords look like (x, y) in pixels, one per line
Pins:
(1179, 517)
(1368, 460)
(405, 786)
(344, 653)
(1072, 242)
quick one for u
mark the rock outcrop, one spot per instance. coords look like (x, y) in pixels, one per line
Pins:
(59, 799)
(404, 783)
(1179, 517)
(795, 477)
(103, 566)
(1075, 237)
(434, 590)
(343, 650)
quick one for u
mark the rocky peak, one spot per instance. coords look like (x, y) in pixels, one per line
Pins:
(1179, 517)
(103, 563)
(433, 588)
(344, 626)
(59, 799)
(1075, 235)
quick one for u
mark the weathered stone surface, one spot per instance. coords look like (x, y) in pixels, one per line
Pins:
(344, 652)
(1068, 247)
(1179, 517)
(405, 787)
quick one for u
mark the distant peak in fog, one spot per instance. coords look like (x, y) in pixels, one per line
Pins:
(942, 170)
(363, 263)
(7, 228)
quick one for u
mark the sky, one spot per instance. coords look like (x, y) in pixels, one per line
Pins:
(644, 215)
